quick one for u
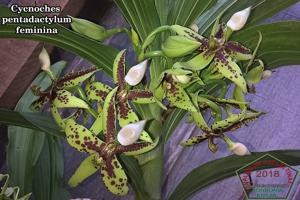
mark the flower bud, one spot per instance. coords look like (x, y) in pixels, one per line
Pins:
(136, 73)
(184, 79)
(195, 28)
(92, 30)
(266, 74)
(135, 37)
(130, 133)
(239, 19)
(44, 60)
(177, 46)
(240, 149)
(236, 147)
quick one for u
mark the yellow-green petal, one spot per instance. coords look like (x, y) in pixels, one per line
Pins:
(87, 167)
(81, 138)
(117, 183)
(65, 99)
(119, 69)
(229, 69)
(97, 91)
(75, 78)
(177, 96)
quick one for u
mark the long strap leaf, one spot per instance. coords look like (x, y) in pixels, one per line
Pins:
(211, 172)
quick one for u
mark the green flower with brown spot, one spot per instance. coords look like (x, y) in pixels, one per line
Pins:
(59, 95)
(218, 52)
(97, 92)
(103, 153)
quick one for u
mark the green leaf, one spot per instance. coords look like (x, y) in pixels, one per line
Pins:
(98, 54)
(171, 123)
(35, 121)
(141, 15)
(280, 42)
(185, 12)
(211, 172)
(49, 171)
(136, 177)
(262, 10)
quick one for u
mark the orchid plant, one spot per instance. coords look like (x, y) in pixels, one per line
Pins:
(181, 69)
(212, 59)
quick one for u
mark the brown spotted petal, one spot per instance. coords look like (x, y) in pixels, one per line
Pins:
(194, 140)
(39, 103)
(116, 180)
(238, 51)
(65, 99)
(119, 70)
(177, 96)
(75, 78)
(141, 96)
(229, 69)
(81, 138)
(136, 148)
(109, 116)
(97, 91)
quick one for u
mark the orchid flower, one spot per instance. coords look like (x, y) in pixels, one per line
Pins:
(58, 93)
(219, 127)
(97, 92)
(103, 153)
(217, 51)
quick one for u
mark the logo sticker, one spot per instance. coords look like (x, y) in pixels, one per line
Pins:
(267, 178)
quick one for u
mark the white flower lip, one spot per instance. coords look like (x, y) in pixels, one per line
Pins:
(130, 133)
(136, 73)
(184, 79)
(239, 19)
(44, 59)
(239, 149)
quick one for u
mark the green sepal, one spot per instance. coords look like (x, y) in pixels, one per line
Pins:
(194, 140)
(243, 54)
(79, 136)
(56, 116)
(239, 95)
(87, 167)
(119, 67)
(254, 75)
(197, 63)
(109, 115)
(118, 183)
(38, 104)
(229, 121)
(200, 122)
(186, 32)
(97, 91)
(141, 96)
(97, 126)
(178, 46)
(65, 99)
(75, 78)
(231, 71)
(249, 117)
(177, 96)
(148, 147)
